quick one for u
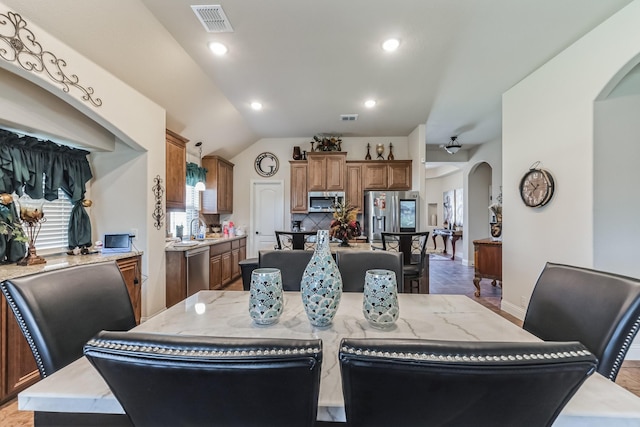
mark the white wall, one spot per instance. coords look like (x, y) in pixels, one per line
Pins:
(134, 120)
(549, 117)
(244, 171)
(616, 201)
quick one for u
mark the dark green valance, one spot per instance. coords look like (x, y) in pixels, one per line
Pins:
(195, 174)
(25, 160)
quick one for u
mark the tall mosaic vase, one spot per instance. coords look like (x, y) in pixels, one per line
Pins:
(321, 286)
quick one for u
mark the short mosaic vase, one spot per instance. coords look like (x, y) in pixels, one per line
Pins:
(380, 298)
(265, 296)
(321, 285)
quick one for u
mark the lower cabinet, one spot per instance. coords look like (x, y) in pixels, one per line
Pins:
(224, 261)
(18, 368)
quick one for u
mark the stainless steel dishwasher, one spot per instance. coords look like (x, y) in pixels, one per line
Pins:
(197, 269)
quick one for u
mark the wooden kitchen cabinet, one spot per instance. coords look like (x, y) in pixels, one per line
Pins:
(386, 175)
(18, 368)
(217, 198)
(299, 199)
(355, 193)
(176, 170)
(487, 257)
(224, 262)
(399, 175)
(131, 272)
(325, 171)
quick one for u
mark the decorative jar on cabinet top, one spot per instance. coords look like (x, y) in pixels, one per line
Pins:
(321, 286)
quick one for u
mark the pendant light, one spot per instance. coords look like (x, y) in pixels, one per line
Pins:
(200, 185)
(453, 146)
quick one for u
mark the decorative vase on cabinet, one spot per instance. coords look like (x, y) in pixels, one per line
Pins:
(321, 286)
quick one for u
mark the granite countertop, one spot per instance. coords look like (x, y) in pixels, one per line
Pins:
(11, 271)
(174, 246)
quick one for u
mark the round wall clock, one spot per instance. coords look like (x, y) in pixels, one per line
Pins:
(266, 164)
(537, 187)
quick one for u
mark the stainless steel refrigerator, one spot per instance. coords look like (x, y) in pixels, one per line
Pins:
(390, 211)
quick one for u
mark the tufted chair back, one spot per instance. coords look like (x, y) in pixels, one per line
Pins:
(172, 380)
(601, 310)
(409, 382)
(59, 310)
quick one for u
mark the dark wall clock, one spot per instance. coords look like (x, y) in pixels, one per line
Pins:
(537, 187)
(266, 164)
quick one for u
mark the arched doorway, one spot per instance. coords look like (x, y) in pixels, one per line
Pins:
(478, 195)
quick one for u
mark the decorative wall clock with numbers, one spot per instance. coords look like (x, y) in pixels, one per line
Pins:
(537, 187)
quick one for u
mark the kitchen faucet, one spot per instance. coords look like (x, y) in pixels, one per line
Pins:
(200, 223)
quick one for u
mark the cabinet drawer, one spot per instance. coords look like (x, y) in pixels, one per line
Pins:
(219, 248)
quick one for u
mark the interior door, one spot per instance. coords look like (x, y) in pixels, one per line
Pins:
(267, 213)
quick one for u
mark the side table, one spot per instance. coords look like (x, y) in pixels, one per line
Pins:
(487, 256)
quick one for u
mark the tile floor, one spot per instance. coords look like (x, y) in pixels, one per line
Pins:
(445, 277)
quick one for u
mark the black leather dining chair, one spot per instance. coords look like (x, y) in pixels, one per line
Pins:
(599, 309)
(414, 248)
(179, 380)
(59, 310)
(409, 382)
(295, 240)
(291, 264)
(353, 266)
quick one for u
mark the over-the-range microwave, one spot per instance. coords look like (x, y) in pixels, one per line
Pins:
(324, 201)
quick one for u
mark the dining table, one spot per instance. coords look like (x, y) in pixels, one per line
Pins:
(79, 389)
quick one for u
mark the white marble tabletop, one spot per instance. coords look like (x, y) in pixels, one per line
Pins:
(79, 388)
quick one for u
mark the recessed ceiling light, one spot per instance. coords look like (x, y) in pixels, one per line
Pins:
(391, 45)
(218, 48)
(256, 106)
(370, 103)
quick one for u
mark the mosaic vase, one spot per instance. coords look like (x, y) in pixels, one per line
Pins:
(321, 285)
(380, 299)
(265, 296)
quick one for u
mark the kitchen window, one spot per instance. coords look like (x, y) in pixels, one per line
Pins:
(184, 218)
(54, 233)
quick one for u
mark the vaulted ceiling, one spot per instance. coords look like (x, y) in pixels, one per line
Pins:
(310, 61)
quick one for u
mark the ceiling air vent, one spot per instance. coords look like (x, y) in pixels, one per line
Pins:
(213, 18)
(348, 117)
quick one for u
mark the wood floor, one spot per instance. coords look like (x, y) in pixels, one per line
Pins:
(446, 277)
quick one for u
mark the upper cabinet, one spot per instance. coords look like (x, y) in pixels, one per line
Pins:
(326, 171)
(354, 192)
(217, 198)
(176, 170)
(299, 200)
(386, 175)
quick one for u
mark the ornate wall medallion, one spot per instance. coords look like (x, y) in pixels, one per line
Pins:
(266, 164)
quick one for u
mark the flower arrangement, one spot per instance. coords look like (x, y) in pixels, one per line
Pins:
(333, 143)
(344, 225)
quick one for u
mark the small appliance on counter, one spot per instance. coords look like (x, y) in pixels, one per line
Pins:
(116, 243)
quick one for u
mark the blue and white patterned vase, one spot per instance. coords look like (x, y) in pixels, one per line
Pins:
(265, 296)
(380, 299)
(321, 286)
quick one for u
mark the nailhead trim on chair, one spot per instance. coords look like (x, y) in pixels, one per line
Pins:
(623, 350)
(458, 358)
(202, 353)
(25, 330)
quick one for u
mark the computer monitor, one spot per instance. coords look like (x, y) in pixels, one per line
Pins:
(116, 243)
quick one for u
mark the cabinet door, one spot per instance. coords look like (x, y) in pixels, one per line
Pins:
(335, 173)
(18, 367)
(226, 268)
(215, 272)
(299, 186)
(235, 266)
(316, 173)
(354, 193)
(399, 175)
(176, 170)
(374, 176)
(130, 269)
(226, 192)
